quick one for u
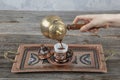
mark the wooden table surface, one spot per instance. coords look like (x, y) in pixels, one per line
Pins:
(22, 27)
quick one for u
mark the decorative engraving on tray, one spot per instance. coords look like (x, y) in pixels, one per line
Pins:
(85, 59)
(33, 59)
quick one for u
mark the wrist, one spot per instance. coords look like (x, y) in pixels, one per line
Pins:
(113, 19)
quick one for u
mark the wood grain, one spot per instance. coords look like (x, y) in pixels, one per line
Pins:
(23, 27)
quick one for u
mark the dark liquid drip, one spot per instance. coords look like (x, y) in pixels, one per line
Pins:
(60, 41)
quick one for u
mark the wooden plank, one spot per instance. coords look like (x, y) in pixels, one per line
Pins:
(20, 39)
(34, 29)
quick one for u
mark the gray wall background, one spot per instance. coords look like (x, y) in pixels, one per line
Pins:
(60, 5)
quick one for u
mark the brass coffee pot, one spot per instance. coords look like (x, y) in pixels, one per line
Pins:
(53, 27)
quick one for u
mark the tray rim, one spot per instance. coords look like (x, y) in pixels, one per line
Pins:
(16, 66)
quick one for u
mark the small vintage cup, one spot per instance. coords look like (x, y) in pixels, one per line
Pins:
(60, 52)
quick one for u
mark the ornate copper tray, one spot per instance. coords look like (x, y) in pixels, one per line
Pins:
(87, 58)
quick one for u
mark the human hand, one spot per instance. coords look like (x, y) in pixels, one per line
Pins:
(94, 22)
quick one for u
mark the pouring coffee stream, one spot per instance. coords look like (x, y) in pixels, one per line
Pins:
(61, 44)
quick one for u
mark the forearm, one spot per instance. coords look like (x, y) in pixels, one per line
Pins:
(114, 20)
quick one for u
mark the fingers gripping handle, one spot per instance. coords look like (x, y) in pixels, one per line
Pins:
(78, 26)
